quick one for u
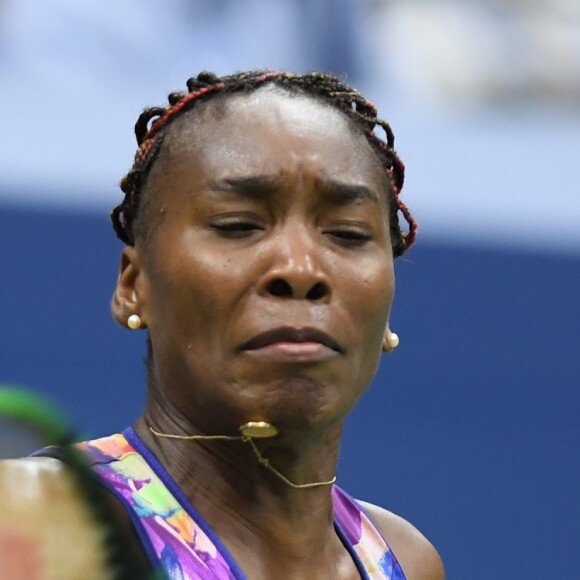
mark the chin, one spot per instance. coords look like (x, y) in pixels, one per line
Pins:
(298, 403)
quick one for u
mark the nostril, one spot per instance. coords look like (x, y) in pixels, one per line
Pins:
(280, 288)
(317, 291)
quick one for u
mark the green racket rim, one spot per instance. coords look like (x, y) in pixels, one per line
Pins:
(30, 407)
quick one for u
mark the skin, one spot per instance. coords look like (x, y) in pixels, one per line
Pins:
(206, 280)
(266, 210)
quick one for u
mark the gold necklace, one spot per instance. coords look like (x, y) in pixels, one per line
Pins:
(250, 431)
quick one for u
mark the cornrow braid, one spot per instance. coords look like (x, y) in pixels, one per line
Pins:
(152, 126)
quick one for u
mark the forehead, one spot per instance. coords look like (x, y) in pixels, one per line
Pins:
(270, 131)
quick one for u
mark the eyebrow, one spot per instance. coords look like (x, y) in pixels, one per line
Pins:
(259, 186)
(342, 193)
(252, 186)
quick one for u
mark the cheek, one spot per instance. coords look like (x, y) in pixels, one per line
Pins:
(371, 294)
(192, 286)
(371, 299)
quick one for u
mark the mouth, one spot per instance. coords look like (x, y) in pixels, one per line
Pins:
(293, 341)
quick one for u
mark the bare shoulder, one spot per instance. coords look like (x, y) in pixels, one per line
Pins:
(417, 556)
(41, 516)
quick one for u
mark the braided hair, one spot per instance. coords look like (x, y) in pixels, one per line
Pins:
(152, 127)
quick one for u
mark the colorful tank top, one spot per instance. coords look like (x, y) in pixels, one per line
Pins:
(180, 542)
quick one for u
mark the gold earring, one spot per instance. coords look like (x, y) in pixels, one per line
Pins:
(391, 341)
(134, 322)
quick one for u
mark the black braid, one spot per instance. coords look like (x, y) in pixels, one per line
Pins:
(152, 125)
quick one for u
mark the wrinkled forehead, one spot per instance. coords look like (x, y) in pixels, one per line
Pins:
(268, 105)
(271, 123)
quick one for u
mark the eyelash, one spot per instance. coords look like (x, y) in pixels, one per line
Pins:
(235, 227)
(350, 236)
(239, 228)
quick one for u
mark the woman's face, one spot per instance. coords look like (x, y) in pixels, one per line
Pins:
(267, 275)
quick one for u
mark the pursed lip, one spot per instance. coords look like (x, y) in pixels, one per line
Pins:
(289, 334)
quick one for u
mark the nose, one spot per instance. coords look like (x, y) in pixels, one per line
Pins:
(296, 269)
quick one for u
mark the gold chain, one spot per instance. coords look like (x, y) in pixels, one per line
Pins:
(193, 437)
(261, 459)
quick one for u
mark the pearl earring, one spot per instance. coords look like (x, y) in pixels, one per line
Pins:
(134, 322)
(391, 341)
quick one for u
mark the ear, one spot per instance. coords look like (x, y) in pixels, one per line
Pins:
(129, 295)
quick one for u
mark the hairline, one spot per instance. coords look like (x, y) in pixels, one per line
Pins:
(168, 135)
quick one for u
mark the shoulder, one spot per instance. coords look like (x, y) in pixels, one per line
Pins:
(417, 556)
(41, 516)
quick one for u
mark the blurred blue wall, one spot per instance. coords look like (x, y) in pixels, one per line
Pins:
(470, 430)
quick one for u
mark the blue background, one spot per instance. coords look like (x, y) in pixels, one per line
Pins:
(470, 429)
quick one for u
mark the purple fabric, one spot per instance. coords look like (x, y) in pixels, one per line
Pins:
(183, 544)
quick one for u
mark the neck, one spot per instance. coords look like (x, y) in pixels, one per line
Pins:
(233, 492)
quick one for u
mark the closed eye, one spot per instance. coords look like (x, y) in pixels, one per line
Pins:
(350, 236)
(235, 227)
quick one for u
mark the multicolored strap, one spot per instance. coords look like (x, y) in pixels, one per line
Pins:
(178, 539)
